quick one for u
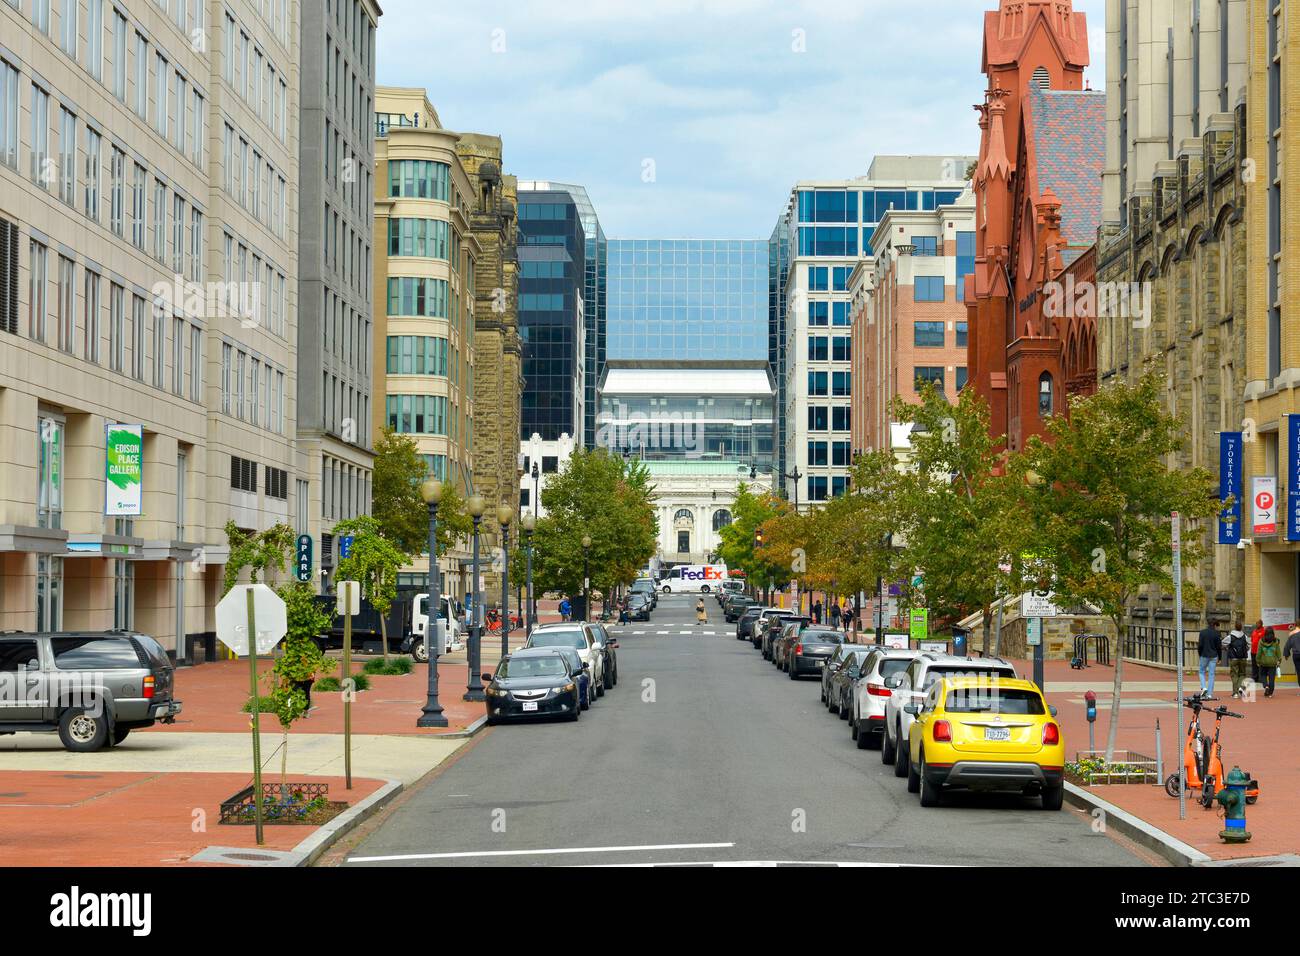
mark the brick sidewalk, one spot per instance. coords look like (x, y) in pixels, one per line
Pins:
(133, 819)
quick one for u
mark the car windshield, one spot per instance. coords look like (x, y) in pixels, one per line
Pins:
(994, 700)
(893, 665)
(550, 665)
(812, 636)
(573, 639)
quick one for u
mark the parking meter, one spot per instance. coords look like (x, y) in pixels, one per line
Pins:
(959, 642)
(1090, 703)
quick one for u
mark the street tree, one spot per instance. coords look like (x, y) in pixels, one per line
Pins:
(396, 504)
(1100, 496)
(738, 539)
(374, 562)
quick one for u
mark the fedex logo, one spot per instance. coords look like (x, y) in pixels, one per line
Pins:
(701, 574)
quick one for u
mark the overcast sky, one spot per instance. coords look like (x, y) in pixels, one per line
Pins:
(693, 118)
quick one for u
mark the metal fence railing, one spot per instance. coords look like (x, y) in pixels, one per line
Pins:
(1157, 645)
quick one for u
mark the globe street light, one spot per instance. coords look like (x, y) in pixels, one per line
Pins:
(474, 688)
(586, 579)
(504, 514)
(431, 716)
(529, 523)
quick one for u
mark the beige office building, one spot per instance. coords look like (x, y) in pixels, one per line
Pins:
(148, 277)
(424, 294)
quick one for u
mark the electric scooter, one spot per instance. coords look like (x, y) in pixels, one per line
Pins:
(1203, 758)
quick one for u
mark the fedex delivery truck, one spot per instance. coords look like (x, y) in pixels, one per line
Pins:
(693, 579)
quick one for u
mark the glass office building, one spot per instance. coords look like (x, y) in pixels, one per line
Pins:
(778, 271)
(688, 299)
(552, 277)
(593, 295)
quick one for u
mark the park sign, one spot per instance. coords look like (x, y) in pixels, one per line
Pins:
(123, 470)
(303, 558)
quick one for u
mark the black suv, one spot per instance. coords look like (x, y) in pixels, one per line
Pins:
(91, 687)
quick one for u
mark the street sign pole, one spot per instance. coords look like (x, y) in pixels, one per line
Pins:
(1177, 531)
(349, 690)
(1038, 656)
(257, 735)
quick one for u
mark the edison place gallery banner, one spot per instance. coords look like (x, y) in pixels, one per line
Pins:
(124, 470)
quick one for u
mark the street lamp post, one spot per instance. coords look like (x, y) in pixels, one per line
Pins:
(537, 501)
(504, 514)
(586, 578)
(529, 522)
(432, 716)
(794, 476)
(474, 689)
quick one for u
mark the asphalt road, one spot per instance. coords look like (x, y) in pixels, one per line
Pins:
(704, 753)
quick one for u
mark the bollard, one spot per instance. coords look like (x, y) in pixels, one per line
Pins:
(1160, 755)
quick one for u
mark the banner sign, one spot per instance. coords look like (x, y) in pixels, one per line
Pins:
(1264, 494)
(920, 623)
(1293, 479)
(1230, 487)
(124, 470)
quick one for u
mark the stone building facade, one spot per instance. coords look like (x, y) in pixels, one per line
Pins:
(498, 370)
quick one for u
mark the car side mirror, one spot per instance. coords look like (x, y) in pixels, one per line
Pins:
(586, 666)
(487, 678)
(1052, 710)
(912, 709)
(614, 644)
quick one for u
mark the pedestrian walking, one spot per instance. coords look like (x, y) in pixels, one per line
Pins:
(624, 613)
(1292, 650)
(566, 609)
(701, 615)
(817, 612)
(1238, 658)
(1255, 637)
(835, 615)
(1210, 647)
(1270, 658)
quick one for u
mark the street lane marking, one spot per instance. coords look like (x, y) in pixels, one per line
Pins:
(550, 852)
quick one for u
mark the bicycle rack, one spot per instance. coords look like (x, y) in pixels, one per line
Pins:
(1101, 650)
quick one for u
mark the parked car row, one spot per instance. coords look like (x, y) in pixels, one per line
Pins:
(942, 722)
(561, 670)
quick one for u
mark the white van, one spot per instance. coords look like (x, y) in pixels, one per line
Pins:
(420, 624)
(693, 579)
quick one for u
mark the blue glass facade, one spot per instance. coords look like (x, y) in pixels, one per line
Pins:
(552, 277)
(778, 271)
(841, 222)
(696, 299)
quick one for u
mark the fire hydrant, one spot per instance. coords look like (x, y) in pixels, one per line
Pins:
(1233, 799)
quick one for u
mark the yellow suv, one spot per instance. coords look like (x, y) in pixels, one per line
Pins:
(985, 733)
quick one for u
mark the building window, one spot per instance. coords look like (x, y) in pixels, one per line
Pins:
(817, 486)
(842, 348)
(683, 542)
(928, 289)
(721, 519)
(1045, 395)
(37, 279)
(68, 156)
(817, 351)
(243, 474)
(841, 384)
(817, 456)
(9, 237)
(817, 383)
(925, 375)
(928, 335)
(420, 179)
(925, 245)
(961, 377)
(49, 496)
(818, 418)
(8, 115)
(49, 593)
(841, 455)
(841, 419)
(961, 335)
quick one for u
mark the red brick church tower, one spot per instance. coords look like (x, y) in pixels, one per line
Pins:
(1038, 204)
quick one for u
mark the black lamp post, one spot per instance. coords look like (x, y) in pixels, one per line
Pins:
(431, 716)
(529, 522)
(474, 689)
(586, 578)
(537, 501)
(504, 514)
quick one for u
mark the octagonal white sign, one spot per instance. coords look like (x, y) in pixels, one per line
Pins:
(269, 617)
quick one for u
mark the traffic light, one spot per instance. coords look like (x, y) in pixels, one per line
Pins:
(758, 537)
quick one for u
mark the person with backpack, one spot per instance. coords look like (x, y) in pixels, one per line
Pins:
(1269, 658)
(835, 614)
(1210, 647)
(1255, 637)
(701, 615)
(817, 612)
(1292, 649)
(1238, 658)
(565, 609)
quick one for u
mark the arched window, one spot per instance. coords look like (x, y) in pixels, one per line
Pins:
(721, 519)
(1042, 79)
(684, 516)
(1045, 395)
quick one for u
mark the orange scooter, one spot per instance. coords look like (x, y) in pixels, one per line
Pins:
(1203, 758)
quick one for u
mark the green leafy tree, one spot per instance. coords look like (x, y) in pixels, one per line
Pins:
(607, 499)
(738, 547)
(396, 503)
(374, 562)
(956, 508)
(1100, 496)
(301, 661)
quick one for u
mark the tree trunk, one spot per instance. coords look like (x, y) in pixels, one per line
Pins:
(1116, 693)
(383, 635)
(284, 764)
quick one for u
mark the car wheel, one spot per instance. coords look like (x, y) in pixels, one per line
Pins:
(901, 756)
(913, 777)
(577, 712)
(823, 692)
(1053, 797)
(931, 793)
(119, 734)
(887, 755)
(492, 721)
(418, 653)
(600, 688)
(792, 670)
(845, 713)
(853, 728)
(81, 731)
(586, 699)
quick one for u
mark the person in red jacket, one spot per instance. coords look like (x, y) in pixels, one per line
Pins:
(1256, 636)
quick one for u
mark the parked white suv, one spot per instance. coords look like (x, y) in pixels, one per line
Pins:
(585, 639)
(871, 693)
(911, 686)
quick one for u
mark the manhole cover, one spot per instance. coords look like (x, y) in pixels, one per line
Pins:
(252, 857)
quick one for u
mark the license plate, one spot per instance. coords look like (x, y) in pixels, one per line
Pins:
(530, 705)
(997, 733)
(821, 663)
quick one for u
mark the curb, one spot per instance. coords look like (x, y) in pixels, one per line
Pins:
(313, 848)
(469, 731)
(1138, 830)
